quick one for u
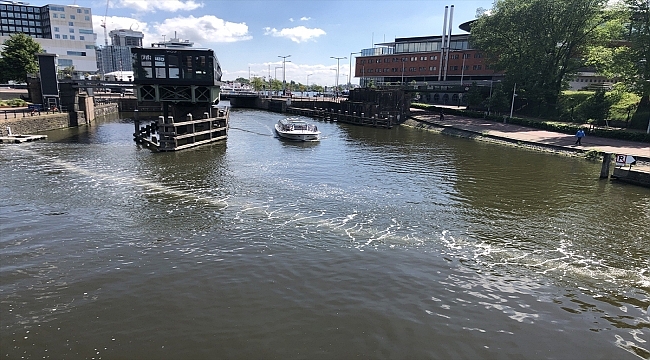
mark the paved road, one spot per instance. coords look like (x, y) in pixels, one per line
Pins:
(531, 135)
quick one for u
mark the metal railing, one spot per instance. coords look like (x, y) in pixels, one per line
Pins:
(23, 113)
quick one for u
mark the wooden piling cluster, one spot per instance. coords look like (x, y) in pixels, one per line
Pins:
(175, 135)
(331, 114)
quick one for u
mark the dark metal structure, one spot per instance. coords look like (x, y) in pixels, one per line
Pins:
(186, 82)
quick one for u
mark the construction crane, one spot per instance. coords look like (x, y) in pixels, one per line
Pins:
(104, 25)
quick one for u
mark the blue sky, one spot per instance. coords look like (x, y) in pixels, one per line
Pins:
(247, 34)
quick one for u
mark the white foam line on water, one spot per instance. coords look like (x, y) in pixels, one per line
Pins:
(567, 262)
(333, 224)
(126, 180)
(543, 262)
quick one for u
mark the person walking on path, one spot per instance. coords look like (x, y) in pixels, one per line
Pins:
(579, 135)
(442, 115)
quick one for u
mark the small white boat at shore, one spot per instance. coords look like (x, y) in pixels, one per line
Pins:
(297, 130)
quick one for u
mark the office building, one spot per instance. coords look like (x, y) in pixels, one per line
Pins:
(117, 56)
(65, 30)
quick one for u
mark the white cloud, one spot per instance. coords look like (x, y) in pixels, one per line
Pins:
(116, 22)
(297, 34)
(291, 19)
(305, 18)
(150, 5)
(208, 28)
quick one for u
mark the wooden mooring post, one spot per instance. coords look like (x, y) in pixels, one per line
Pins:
(604, 170)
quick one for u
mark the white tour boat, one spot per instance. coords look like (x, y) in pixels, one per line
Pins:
(297, 130)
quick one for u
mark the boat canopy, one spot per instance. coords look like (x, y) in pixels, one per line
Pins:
(291, 124)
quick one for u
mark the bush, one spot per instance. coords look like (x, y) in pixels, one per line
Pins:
(592, 155)
(13, 102)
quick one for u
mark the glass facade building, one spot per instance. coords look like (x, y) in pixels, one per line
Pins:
(21, 18)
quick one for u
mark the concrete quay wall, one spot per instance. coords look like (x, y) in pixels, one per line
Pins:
(26, 123)
(632, 176)
(34, 124)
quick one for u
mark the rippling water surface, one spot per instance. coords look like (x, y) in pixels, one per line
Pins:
(373, 243)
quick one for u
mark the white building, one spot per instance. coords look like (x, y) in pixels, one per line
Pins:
(65, 30)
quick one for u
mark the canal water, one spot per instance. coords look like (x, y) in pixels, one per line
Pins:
(372, 243)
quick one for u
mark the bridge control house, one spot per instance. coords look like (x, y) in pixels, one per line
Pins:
(186, 82)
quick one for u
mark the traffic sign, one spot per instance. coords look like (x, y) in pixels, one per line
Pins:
(622, 160)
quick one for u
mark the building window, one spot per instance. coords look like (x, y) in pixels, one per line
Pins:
(56, 29)
(78, 11)
(71, 37)
(57, 36)
(72, 17)
(55, 16)
(76, 53)
(478, 55)
(64, 62)
(476, 67)
(71, 31)
(65, 36)
(81, 37)
(70, 23)
(87, 18)
(86, 11)
(62, 16)
(432, 68)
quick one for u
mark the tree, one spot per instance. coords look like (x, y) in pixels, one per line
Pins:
(257, 83)
(18, 58)
(473, 96)
(538, 43)
(242, 81)
(598, 107)
(498, 102)
(66, 72)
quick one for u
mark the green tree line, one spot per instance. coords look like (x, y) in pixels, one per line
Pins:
(540, 45)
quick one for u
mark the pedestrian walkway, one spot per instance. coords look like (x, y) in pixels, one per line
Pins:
(524, 134)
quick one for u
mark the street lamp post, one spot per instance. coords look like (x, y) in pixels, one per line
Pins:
(462, 71)
(336, 90)
(350, 75)
(284, 80)
(276, 71)
(512, 106)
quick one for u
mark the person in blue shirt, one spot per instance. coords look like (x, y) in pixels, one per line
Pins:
(579, 135)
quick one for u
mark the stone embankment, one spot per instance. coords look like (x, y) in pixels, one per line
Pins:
(29, 124)
(24, 122)
(523, 136)
(520, 136)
